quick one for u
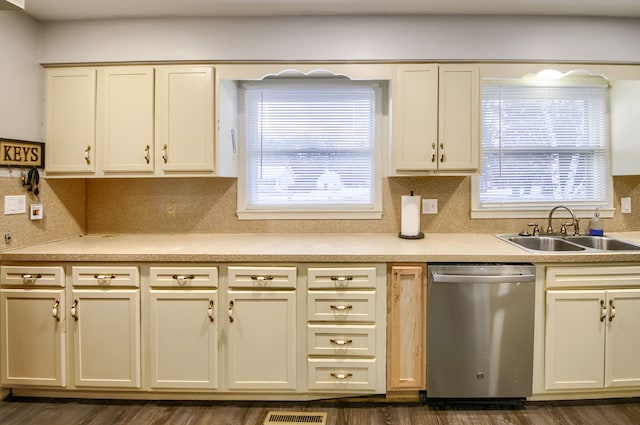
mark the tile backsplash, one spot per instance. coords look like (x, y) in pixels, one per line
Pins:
(64, 212)
(208, 205)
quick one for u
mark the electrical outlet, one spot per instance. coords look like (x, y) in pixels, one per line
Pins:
(7, 237)
(171, 209)
(429, 206)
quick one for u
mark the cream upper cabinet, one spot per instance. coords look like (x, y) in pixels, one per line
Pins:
(625, 126)
(435, 120)
(125, 119)
(185, 119)
(70, 140)
(140, 121)
(591, 338)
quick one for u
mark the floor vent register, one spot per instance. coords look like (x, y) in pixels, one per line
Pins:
(292, 418)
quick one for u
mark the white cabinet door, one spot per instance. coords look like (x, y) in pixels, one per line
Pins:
(185, 119)
(125, 118)
(415, 110)
(575, 338)
(458, 117)
(261, 342)
(105, 324)
(622, 366)
(184, 338)
(70, 120)
(435, 119)
(32, 337)
(625, 126)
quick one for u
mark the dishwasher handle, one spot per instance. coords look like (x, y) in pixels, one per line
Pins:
(461, 278)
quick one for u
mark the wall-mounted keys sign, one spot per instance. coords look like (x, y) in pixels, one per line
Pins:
(19, 153)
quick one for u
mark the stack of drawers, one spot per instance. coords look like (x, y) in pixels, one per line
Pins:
(342, 329)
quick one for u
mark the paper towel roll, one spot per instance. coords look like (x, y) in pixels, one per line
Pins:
(410, 216)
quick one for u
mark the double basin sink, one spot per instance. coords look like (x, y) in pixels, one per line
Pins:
(565, 243)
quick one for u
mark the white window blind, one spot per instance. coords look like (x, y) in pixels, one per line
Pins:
(544, 146)
(310, 146)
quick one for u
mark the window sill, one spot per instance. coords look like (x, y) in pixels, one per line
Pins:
(309, 215)
(580, 212)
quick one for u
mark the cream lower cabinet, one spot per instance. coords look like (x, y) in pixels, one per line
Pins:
(32, 337)
(346, 329)
(592, 340)
(104, 318)
(407, 324)
(183, 327)
(261, 328)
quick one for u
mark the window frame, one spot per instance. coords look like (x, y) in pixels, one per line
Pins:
(370, 212)
(541, 209)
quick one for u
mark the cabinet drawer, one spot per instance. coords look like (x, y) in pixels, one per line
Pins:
(184, 277)
(32, 276)
(262, 277)
(341, 340)
(338, 374)
(341, 277)
(593, 277)
(105, 276)
(349, 306)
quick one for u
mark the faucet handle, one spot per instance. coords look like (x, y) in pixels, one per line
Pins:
(563, 228)
(536, 228)
(576, 227)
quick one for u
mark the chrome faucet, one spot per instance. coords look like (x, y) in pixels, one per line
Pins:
(563, 226)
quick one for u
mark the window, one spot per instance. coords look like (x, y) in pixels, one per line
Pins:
(543, 144)
(311, 149)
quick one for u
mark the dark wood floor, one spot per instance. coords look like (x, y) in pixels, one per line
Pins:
(23, 411)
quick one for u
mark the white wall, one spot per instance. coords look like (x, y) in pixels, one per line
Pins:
(365, 38)
(21, 78)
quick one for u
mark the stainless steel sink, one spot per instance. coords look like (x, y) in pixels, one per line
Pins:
(603, 243)
(544, 243)
(563, 243)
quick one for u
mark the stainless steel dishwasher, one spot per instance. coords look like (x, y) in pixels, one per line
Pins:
(480, 331)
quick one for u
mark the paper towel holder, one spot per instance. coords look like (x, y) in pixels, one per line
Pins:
(412, 235)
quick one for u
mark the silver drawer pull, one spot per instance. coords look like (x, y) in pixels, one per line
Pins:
(183, 278)
(104, 276)
(26, 278)
(341, 375)
(341, 278)
(341, 307)
(341, 341)
(261, 278)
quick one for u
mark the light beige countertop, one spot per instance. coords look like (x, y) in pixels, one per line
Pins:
(316, 247)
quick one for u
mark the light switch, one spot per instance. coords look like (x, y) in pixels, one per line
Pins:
(429, 206)
(15, 204)
(625, 205)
